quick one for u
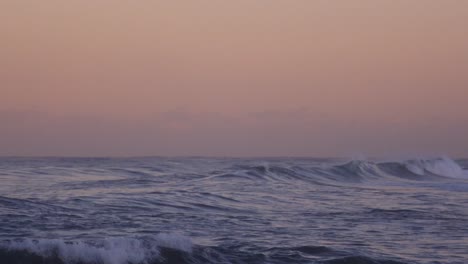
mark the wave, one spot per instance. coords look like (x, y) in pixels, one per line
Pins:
(108, 251)
(166, 249)
(353, 171)
(440, 166)
(322, 172)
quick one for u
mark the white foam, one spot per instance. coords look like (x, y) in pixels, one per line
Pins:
(108, 251)
(441, 166)
(415, 168)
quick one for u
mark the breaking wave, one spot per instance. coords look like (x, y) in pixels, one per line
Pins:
(410, 169)
(118, 250)
(164, 249)
(351, 171)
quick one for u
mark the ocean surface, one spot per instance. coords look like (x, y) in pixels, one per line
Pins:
(204, 210)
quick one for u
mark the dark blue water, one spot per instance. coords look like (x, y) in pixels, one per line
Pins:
(198, 210)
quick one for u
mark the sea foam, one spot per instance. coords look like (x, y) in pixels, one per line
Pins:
(443, 166)
(119, 250)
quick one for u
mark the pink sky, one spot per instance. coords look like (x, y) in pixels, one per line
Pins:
(234, 78)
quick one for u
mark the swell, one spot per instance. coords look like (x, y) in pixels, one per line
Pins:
(415, 169)
(354, 171)
(109, 175)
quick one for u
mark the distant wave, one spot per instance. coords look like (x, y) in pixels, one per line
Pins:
(356, 170)
(411, 169)
(351, 171)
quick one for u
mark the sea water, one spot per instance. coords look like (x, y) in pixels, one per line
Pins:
(232, 210)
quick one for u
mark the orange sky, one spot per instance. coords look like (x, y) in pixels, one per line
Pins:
(234, 78)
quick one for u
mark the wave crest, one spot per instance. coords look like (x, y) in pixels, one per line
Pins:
(119, 250)
(354, 171)
(440, 166)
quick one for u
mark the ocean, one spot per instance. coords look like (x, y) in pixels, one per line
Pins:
(233, 210)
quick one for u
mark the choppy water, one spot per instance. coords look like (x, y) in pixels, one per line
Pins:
(198, 210)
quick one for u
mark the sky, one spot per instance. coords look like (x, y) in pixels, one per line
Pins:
(233, 78)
